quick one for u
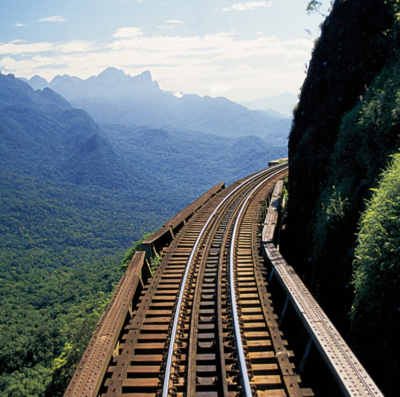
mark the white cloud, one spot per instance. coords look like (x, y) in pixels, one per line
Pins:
(77, 46)
(19, 47)
(19, 25)
(248, 6)
(17, 41)
(54, 18)
(214, 64)
(174, 21)
(128, 33)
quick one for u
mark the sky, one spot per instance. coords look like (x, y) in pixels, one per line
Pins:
(243, 50)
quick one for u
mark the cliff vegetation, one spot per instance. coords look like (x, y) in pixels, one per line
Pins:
(343, 213)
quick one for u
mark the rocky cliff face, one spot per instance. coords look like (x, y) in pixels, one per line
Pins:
(345, 129)
(350, 52)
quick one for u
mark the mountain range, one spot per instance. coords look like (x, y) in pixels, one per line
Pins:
(52, 139)
(279, 106)
(116, 98)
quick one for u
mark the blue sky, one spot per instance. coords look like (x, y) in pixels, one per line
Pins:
(242, 50)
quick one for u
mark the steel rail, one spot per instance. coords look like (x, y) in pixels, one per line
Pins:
(195, 310)
(232, 207)
(238, 338)
(167, 373)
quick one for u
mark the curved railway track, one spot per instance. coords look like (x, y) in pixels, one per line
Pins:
(204, 324)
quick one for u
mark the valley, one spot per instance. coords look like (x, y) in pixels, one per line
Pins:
(77, 191)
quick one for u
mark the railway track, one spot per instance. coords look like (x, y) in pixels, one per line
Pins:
(204, 324)
(199, 327)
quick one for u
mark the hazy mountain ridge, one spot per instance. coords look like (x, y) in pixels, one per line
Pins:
(55, 140)
(16, 93)
(42, 135)
(114, 97)
(283, 104)
(110, 83)
(189, 157)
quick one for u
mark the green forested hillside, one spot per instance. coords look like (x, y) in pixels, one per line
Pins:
(346, 128)
(60, 253)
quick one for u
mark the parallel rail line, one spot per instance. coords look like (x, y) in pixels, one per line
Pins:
(204, 324)
(203, 283)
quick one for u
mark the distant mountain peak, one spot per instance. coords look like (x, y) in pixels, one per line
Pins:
(112, 74)
(110, 83)
(9, 75)
(146, 76)
(65, 78)
(19, 94)
(55, 98)
(282, 103)
(59, 78)
(39, 82)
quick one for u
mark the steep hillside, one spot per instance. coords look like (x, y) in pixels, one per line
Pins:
(60, 249)
(189, 159)
(346, 126)
(42, 135)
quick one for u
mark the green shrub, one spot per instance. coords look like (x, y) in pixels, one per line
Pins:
(375, 314)
(137, 246)
(377, 264)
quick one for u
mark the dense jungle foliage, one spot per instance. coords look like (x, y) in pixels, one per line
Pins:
(377, 273)
(346, 128)
(60, 254)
